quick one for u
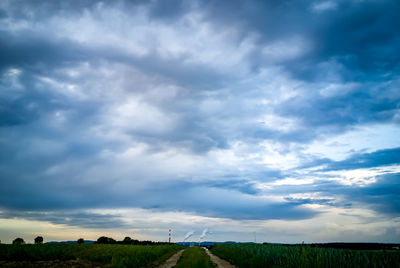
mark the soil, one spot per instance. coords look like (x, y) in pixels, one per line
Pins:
(219, 262)
(172, 261)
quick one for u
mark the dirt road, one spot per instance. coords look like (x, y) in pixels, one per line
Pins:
(172, 261)
(219, 262)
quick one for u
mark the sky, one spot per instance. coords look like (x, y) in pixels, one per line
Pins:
(266, 121)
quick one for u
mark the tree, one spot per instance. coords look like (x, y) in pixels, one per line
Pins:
(18, 241)
(105, 240)
(39, 240)
(127, 240)
(81, 241)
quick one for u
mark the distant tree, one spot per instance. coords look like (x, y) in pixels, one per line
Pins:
(127, 240)
(102, 240)
(39, 240)
(81, 241)
(18, 241)
(105, 240)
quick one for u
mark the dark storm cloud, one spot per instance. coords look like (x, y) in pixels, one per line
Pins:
(81, 219)
(240, 186)
(354, 33)
(359, 33)
(47, 167)
(232, 200)
(350, 44)
(381, 196)
(15, 113)
(167, 10)
(368, 160)
(359, 106)
(375, 159)
(222, 203)
(29, 50)
(302, 201)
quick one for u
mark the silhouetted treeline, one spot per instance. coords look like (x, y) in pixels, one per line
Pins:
(126, 241)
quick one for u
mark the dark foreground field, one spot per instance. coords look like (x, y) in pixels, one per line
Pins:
(241, 255)
(253, 255)
(94, 255)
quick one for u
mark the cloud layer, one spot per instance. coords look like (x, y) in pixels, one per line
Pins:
(229, 110)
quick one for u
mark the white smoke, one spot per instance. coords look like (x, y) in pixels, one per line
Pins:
(189, 234)
(205, 232)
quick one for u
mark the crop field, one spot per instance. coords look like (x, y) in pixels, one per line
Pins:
(250, 255)
(194, 257)
(107, 255)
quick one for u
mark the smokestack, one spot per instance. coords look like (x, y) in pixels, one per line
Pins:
(169, 236)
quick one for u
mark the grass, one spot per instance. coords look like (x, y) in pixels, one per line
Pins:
(254, 256)
(113, 255)
(194, 257)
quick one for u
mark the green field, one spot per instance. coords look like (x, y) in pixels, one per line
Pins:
(194, 257)
(113, 255)
(253, 255)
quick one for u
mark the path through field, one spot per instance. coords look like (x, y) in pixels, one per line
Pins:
(172, 261)
(219, 262)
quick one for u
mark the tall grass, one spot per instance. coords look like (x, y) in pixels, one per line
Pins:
(252, 256)
(194, 257)
(116, 255)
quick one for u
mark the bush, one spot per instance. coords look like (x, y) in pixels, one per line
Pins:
(81, 241)
(39, 240)
(18, 241)
(127, 240)
(105, 240)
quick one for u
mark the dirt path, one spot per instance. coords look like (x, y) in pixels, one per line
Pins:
(219, 262)
(172, 261)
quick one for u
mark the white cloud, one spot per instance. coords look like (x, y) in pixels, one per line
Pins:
(287, 49)
(323, 6)
(362, 176)
(364, 139)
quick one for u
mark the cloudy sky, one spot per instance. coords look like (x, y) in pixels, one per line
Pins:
(273, 121)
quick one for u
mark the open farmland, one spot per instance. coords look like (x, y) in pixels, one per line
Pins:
(194, 257)
(251, 255)
(102, 255)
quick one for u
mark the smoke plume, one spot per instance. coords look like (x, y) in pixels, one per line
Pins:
(189, 234)
(205, 232)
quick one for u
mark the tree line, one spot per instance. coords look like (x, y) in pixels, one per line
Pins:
(101, 240)
(127, 241)
(21, 241)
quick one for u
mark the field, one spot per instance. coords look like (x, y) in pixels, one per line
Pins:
(194, 257)
(250, 255)
(104, 255)
(241, 255)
